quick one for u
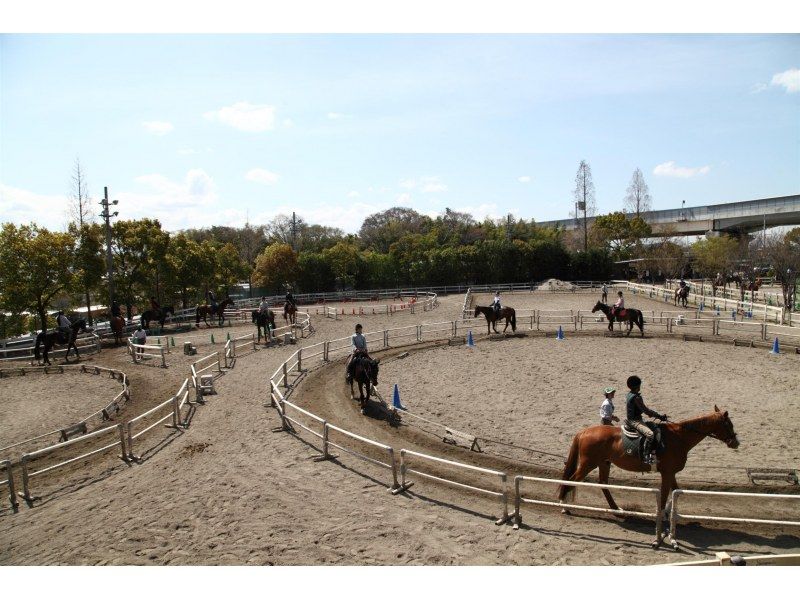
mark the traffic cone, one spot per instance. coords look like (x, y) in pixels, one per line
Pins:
(212, 339)
(470, 340)
(775, 347)
(229, 336)
(396, 399)
(560, 335)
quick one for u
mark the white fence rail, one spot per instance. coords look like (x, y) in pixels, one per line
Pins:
(14, 351)
(676, 515)
(139, 353)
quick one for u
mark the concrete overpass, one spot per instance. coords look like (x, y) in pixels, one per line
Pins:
(738, 218)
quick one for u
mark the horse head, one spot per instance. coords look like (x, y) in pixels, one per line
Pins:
(477, 312)
(723, 429)
(598, 306)
(372, 371)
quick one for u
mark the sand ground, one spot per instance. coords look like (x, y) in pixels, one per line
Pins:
(233, 490)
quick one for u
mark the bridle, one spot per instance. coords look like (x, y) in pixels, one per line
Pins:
(729, 441)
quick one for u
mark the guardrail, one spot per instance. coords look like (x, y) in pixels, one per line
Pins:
(676, 515)
(27, 458)
(519, 499)
(197, 370)
(175, 403)
(327, 443)
(84, 343)
(9, 483)
(405, 469)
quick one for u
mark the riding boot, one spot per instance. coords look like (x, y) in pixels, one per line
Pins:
(647, 450)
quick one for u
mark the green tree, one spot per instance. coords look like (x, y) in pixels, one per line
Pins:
(619, 234)
(715, 255)
(345, 262)
(315, 274)
(139, 248)
(275, 266)
(230, 268)
(380, 230)
(188, 264)
(35, 265)
(89, 264)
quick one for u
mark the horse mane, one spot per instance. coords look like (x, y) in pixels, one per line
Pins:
(694, 421)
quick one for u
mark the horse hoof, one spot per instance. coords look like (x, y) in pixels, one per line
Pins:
(656, 544)
(565, 512)
(363, 411)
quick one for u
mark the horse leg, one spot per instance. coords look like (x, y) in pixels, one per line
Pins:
(584, 469)
(506, 328)
(602, 471)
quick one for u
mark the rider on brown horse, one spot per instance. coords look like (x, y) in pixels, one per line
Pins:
(635, 407)
(359, 346)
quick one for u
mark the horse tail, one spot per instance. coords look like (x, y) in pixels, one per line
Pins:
(513, 320)
(640, 321)
(39, 338)
(570, 467)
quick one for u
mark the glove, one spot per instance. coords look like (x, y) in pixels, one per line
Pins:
(663, 418)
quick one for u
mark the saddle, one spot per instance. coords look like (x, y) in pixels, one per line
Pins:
(633, 442)
(620, 313)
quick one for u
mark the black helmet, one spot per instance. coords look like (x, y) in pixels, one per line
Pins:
(634, 382)
(358, 327)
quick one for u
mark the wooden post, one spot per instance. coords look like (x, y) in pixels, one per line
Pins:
(285, 376)
(299, 360)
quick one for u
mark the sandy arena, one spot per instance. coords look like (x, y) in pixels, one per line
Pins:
(233, 490)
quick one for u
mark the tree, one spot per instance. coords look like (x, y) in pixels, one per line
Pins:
(345, 263)
(275, 266)
(715, 255)
(81, 216)
(783, 254)
(584, 196)
(187, 265)
(619, 234)
(89, 264)
(668, 258)
(139, 248)
(35, 265)
(380, 230)
(229, 268)
(637, 197)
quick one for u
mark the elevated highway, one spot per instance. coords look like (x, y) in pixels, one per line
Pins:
(739, 218)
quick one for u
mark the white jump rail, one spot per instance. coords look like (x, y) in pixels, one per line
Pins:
(27, 458)
(140, 352)
(242, 341)
(204, 364)
(9, 483)
(724, 559)
(327, 443)
(502, 478)
(676, 515)
(519, 499)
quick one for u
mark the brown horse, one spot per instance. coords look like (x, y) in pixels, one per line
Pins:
(117, 326)
(492, 317)
(205, 310)
(600, 446)
(631, 316)
(290, 312)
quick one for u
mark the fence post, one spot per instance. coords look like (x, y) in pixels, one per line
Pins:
(299, 360)
(325, 433)
(385, 339)
(395, 485)
(517, 514)
(285, 376)
(326, 347)
(25, 493)
(163, 359)
(12, 494)
(123, 455)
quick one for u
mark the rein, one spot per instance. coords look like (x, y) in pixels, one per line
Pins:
(692, 427)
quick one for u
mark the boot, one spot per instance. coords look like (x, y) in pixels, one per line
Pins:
(647, 449)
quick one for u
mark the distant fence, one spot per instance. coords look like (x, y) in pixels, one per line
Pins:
(23, 350)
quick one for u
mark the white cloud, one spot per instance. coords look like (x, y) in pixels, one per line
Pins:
(353, 194)
(253, 118)
(158, 127)
(404, 199)
(789, 80)
(426, 184)
(188, 152)
(21, 206)
(758, 88)
(337, 116)
(482, 211)
(524, 179)
(670, 169)
(259, 175)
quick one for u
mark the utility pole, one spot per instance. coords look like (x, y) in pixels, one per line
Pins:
(107, 216)
(508, 227)
(294, 232)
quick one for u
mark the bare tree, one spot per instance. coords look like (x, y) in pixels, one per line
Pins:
(638, 199)
(584, 197)
(81, 216)
(783, 254)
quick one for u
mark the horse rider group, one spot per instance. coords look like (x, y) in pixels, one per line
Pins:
(634, 409)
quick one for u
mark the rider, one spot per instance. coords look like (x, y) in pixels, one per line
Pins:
(619, 305)
(358, 344)
(115, 309)
(212, 301)
(496, 302)
(64, 326)
(155, 305)
(290, 299)
(635, 407)
(263, 306)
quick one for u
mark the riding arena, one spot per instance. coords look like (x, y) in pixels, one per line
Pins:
(216, 444)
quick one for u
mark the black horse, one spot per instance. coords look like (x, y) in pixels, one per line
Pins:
(204, 310)
(54, 337)
(682, 296)
(159, 315)
(631, 316)
(265, 321)
(365, 372)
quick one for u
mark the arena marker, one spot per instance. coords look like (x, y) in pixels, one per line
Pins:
(775, 347)
(560, 335)
(229, 336)
(212, 339)
(158, 341)
(396, 399)
(172, 340)
(470, 340)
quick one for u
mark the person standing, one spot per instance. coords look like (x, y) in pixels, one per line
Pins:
(604, 293)
(139, 338)
(607, 408)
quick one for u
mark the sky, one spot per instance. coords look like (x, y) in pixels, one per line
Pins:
(200, 130)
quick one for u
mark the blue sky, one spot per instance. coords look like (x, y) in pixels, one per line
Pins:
(214, 129)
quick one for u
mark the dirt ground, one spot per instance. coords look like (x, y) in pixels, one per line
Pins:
(234, 489)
